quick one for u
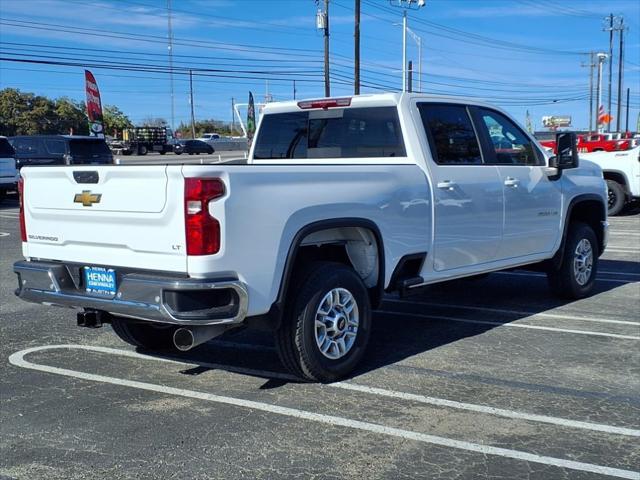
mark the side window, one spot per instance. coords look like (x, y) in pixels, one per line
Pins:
(451, 135)
(25, 146)
(510, 144)
(55, 147)
(6, 150)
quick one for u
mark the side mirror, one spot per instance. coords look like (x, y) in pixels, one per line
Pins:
(567, 151)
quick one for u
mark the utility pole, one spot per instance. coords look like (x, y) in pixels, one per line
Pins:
(410, 77)
(233, 115)
(294, 89)
(620, 71)
(591, 66)
(610, 29)
(322, 23)
(170, 48)
(601, 59)
(626, 128)
(327, 84)
(193, 116)
(356, 49)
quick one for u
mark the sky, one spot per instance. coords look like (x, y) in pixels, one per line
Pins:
(522, 55)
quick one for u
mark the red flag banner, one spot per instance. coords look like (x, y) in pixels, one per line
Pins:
(94, 105)
(603, 117)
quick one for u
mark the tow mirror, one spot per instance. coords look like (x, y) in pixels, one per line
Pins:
(567, 151)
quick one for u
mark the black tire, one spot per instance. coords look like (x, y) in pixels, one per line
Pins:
(178, 153)
(563, 280)
(617, 197)
(3, 195)
(163, 152)
(296, 337)
(142, 150)
(143, 335)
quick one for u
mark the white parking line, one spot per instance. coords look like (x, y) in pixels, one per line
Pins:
(18, 359)
(488, 410)
(511, 324)
(4, 234)
(515, 312)
(534, 274)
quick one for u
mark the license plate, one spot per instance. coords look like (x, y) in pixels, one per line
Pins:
(100, 280)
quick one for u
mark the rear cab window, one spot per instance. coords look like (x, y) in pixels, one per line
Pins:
(365, 132)
(450, 133)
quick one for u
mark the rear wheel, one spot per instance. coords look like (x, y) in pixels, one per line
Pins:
(144, 335)
(576, 275)
(326, 325)
(616, 198)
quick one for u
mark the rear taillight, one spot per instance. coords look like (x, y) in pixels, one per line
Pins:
(23, 226)
(202, 230)
(325, 103)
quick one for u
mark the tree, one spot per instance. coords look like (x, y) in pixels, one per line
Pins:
(71, 117)
(114, 120)
(154, 122)
(23, 113)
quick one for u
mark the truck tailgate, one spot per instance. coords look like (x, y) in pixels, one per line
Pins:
(106, 215)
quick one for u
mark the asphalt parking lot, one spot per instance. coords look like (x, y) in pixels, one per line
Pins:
(488, 379)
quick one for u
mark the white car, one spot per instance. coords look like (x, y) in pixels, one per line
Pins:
(8, 171)
(342, 200)
(621, 170)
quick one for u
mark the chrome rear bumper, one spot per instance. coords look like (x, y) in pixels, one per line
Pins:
(157, 298)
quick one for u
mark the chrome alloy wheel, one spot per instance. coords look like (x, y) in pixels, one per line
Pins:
(583, 262)
(336, 323)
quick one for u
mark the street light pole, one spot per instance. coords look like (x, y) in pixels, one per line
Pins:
(406, 4)
(601, 59)
(418, 41)
(404, 50)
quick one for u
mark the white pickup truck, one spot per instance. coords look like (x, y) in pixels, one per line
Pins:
(342, 200)
(621, 170)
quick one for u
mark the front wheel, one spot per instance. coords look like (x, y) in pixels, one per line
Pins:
(576, 275)
(326, 325)
(616, 197)
(144, 335)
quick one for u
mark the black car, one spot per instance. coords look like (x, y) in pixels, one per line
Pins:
(192, 147)
(60, 150)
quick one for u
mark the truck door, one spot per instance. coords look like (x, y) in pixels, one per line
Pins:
(468, 199)
(532, 200)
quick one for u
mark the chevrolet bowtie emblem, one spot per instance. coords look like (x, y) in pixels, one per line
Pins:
(86, 198)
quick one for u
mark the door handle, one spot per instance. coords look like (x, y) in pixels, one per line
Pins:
(446, 185)
(511, 182)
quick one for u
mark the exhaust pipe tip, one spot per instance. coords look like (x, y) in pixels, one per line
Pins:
(183, 339)
(186, 338)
